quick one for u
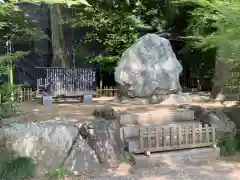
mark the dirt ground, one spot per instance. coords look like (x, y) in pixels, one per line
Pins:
(225, 168)
(80, 112)
(222, 169)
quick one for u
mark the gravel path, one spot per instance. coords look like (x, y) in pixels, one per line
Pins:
(214, 171)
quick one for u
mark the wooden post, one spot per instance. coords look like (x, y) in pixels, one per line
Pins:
(101, 85)
(172, 134)
(30, 95)
(179, 133)
(164, 137)
(200, 134)
(141, 141)
(213, 134)
(110, 91)
(207, 132)
(149, 142)
(21, 95)
(193, 135)
(104, 91)
(157, 137)
(186, 134)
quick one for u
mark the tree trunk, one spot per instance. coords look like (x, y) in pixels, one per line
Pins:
(60, 58)
(222, 73)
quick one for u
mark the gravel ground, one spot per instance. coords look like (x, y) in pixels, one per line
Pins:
(214, 171)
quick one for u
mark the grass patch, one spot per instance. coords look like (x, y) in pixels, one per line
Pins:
(16, 168)
(57, 174)
(229, 144)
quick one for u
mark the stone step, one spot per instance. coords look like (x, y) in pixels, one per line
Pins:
(198, 156)
(160, 116)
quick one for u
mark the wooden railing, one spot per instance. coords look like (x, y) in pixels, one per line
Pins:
(155, 138)
(107, 92)
(29, 95)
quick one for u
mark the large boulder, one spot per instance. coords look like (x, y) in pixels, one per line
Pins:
(51, 144)
(147, 65)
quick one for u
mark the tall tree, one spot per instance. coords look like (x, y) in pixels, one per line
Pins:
(215, 24)
(14, 26)
(60, 54)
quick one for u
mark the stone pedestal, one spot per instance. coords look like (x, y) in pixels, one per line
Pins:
(159, 116)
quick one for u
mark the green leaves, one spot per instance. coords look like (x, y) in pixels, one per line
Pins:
(67, 2)
(16, 167)
(117, 26)
(6, 59)
(214, 23)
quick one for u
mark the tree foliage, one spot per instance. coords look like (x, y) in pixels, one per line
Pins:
(215, 24)
(117, 25)
(15, 26)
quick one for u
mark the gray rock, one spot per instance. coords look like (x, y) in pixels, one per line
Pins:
(148, 64)
(51, 145)
(216, 117)
(19, 119)
(229, 125)
(105, 112)
(82, 158)
(104, 137)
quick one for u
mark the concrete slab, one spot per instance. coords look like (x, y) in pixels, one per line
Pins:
(175, 158)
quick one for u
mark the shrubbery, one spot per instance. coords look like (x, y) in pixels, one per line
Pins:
(7, 105)
(229, 144)
(15, 167)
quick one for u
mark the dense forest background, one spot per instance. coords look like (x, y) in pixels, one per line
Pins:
(203, 34)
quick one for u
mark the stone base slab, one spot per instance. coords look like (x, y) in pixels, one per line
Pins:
(160, 116)
(175, 158)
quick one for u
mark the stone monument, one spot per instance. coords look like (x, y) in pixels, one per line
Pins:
(148, 71)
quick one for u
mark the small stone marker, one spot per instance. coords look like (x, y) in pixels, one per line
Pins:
(47, 100)
(87, 99)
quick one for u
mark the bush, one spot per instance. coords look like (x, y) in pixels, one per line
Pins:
(57, 174)
(7, 109)
(7, 104)
(16, 168)
(229, 144)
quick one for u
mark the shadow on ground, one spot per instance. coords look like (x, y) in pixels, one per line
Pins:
(169, 171)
